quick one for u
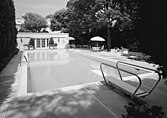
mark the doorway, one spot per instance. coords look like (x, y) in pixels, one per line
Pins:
(41, 43)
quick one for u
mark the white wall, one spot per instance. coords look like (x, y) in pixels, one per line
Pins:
(21, 42)
(59, 38)
(61, 42)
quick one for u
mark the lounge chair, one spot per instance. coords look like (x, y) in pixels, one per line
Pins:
(125, 52)
(101, 48)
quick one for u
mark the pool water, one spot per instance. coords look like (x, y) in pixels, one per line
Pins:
(51, 69)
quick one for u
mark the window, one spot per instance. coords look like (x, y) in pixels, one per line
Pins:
(43, 43)
(47, 42)
(38, 43)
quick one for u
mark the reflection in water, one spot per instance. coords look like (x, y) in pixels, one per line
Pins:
(45, 57)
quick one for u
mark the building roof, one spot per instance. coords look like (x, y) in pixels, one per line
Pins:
(41, 35)
(19, 21)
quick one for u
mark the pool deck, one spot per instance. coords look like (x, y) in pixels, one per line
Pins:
(93, 100)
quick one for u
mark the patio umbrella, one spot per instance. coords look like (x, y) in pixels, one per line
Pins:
(97, 39)
(70, 38)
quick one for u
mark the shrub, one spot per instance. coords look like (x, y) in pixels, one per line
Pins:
(144, 111)
(31, 42)
(51, 41)
(55, 44)
(8, 32)
(140, 56)
(8, 29)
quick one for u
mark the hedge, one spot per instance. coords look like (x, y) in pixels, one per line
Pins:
(8, 32)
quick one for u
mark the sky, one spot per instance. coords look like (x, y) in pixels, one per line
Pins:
(41, 7)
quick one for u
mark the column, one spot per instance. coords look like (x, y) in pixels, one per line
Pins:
(45, 55)
(45, 43)
(21, 40)
(35, 43)
(35, 56)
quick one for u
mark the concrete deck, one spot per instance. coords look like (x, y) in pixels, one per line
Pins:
(9, 83)
(93, 100)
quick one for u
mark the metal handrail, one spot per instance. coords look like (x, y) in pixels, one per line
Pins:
(134, 65)
(82, 47)
(21, 59)
(121, 76)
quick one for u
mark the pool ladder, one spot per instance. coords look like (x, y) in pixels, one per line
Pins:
(23, 56)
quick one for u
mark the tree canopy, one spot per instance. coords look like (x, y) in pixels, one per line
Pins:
(34, 22)
(59, 20)
(135, 24)
(82, 19)
(102, 17)
(8, 32)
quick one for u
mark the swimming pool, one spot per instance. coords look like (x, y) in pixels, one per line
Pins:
(51, 69)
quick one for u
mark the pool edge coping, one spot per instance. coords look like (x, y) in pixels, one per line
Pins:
(23, 78)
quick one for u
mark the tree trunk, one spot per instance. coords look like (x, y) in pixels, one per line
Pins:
(108, 38)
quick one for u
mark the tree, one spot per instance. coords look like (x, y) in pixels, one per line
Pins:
(144, 111)
(8, 32)
(117, 16)
(154, 27)
(22, 29)
(32, 42)
(51, 41)
(59, 20)
(55, 25)
(81, 19)
(90, 17)
(34, 22)
(137, 22)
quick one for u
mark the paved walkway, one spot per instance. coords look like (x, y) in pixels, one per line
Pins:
(93, 100)
(87, 100)
(9, 82)
(113, 56)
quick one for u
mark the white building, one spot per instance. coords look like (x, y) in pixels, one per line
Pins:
(19, 22)
(41, 40)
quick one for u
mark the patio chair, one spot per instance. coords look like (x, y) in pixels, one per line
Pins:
(125, 52)
(101, 48)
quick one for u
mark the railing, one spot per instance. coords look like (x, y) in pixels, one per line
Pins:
(141, 67)
(140, 81)
(121, 79)
(82, 47)
(24, 58)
